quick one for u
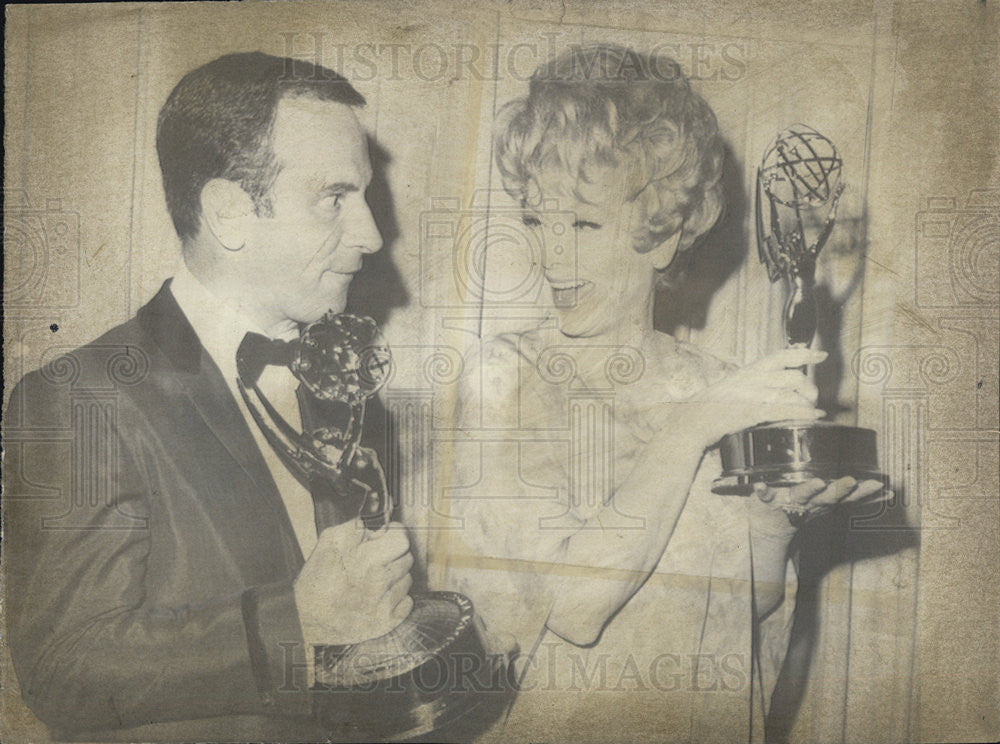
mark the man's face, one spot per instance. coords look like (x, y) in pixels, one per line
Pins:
(299, 261)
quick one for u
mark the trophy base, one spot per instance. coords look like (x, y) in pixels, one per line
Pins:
(423, 676)
(791, 452)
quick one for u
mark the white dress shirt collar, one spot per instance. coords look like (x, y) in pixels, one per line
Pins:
(219, 326)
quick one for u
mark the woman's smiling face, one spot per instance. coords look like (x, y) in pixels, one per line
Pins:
(602, 284)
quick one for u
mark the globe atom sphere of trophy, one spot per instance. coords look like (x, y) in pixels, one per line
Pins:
(799, 181)
(801, 168)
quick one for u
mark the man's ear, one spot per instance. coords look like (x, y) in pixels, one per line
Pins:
(662, 254)
(225, 208)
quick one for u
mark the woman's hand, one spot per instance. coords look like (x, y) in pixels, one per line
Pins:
(770, 389)
(777, 513)
(772, 530)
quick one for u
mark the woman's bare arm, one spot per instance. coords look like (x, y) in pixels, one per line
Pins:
(606, 565)
(607, 561)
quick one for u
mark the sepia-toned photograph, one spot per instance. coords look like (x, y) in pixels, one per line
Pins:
(512, 372)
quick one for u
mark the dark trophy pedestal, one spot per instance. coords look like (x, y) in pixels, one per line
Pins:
(786, 454)
(799, 176)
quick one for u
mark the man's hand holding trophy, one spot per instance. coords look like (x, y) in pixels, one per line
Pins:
(411, 678)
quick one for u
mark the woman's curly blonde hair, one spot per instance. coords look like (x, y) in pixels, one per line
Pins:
(607, 105)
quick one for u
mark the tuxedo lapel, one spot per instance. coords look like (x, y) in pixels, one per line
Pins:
(214, 402)
(209, 395)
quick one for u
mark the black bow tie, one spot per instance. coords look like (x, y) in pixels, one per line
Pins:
(257, 352)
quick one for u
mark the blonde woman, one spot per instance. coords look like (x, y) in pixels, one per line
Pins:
(637, 604)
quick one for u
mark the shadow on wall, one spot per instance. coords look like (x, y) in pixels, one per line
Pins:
(379, 288)
(376, 291)
(695, 276)
(833, 540)
(830, 299)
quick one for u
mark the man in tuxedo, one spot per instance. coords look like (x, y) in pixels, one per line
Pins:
(165, 576)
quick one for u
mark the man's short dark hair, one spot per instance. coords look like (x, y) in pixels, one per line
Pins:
(217, 124)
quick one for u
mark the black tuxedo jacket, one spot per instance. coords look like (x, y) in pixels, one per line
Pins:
(149, 555)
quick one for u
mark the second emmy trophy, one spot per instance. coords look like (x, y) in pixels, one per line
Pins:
(799, 180)
(413, 680)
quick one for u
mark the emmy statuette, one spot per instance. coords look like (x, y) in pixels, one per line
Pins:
(413, 680)
(800, 175)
